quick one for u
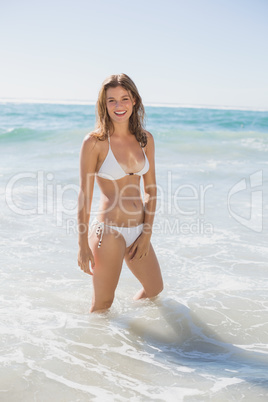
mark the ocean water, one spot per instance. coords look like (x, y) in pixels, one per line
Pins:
(205, 337)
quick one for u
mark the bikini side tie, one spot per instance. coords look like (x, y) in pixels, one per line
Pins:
(99, 231)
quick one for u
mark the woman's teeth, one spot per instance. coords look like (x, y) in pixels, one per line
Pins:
(120, 113)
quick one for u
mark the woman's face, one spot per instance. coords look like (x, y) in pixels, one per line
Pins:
(119, 103)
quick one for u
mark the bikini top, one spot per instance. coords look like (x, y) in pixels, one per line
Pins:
(112, 170)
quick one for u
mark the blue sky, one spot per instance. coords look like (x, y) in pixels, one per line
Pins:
(194, 52)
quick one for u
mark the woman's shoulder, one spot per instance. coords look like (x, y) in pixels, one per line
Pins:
(149, 135)
(91, 141)
(90, 147)
(150, 139)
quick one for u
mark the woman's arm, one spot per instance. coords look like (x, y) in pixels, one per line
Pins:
(150, 190)
(141, 246)
(88, 164)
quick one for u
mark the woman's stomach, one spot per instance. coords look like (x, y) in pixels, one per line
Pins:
(124, 211)
(121, 203)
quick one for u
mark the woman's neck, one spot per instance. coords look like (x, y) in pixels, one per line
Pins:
(121, 130)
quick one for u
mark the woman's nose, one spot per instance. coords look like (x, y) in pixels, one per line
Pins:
(118, 103)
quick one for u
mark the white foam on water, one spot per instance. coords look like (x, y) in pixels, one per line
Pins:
(205, 338)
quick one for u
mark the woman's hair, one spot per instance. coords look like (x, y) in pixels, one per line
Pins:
(104, 123)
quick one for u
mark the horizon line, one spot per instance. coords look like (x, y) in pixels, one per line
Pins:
(146, 104)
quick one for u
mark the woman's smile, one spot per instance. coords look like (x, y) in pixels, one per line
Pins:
(120, 113)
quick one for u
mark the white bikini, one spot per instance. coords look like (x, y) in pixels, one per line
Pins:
(112, 170)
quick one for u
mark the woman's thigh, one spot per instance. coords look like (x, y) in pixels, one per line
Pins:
(147, 271)
(108, 263)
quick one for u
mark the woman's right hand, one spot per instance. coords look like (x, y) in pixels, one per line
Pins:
(84, 256)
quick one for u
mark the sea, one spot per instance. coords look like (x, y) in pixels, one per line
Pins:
(205, 338)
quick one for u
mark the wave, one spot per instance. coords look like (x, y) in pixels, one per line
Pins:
(17, 134)
(147, 104)
(46, 101)
(24, 134)
(21, 122)
(209, 107)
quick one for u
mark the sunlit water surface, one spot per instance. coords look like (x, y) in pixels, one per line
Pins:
(205, 338)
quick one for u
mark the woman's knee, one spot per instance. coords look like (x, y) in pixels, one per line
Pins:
(161, 287)
(101, 305)
(149, 293)
(157, 290)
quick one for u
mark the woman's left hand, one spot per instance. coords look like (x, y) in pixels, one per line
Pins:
(140, 247)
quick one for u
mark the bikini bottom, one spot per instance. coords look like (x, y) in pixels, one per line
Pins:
(130, 233)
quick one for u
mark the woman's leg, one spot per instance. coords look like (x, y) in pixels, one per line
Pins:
(108, 264)
(147, 271)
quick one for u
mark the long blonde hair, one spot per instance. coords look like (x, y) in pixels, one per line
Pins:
(136, 120)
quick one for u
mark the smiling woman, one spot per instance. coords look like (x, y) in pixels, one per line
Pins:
(124, 222)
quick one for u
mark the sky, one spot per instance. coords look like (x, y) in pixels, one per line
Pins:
(186, 52)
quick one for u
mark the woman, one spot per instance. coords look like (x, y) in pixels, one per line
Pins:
(118, 153)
